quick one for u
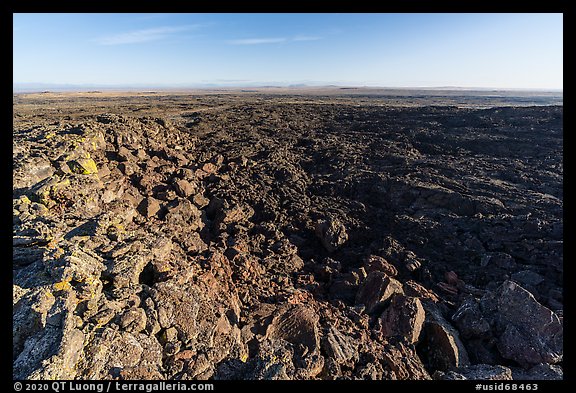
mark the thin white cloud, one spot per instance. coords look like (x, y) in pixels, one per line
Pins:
(306, 38)
(277, 40)
(143, 35)
(257, 41)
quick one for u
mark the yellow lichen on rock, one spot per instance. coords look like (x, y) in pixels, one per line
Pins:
(62, 286)
(24, 199)
(44, 197)
(48, 190)
(61, 184)
(83, 166)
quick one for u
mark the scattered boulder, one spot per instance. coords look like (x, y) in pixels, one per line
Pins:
(412, 288)
(378, 263)
(527, 332)
(297, 325)
(183, 212)
(470, 321)
(149, 207)
(404, 318)
(83, 166)
(124, 154)
(200, 201)
(209, 168)
(161, 248)
(184, 188)
(376, 289)
(133, 320)
(332, 233)
(126, 269)
(30, 171)
(441, 342)
(46, 191)
(233, 214)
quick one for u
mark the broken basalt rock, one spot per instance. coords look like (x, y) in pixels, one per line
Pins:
(476, 372)
(441, 342)
(226, 236)
(403, 318)
(297, 325)
(527, 332)
(331, 233)
(376, 289)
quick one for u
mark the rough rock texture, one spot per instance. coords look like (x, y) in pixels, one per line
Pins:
(376, 289)
(476, 372)
(404, 317)
(538, 372)
(527, 332)
(331, 233)
(340, 347)
(277, 236)
(441, 343)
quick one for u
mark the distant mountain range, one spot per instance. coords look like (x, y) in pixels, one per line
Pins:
(57, 87)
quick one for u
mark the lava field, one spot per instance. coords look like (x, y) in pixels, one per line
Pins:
(283, 236)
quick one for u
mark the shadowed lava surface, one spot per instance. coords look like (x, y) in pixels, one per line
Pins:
(285, 237)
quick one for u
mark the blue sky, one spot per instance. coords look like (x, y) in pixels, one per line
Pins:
(397, 50)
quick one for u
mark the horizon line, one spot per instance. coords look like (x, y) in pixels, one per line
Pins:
(30, 87)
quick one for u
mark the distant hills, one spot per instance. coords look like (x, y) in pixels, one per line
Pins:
(56, 87)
